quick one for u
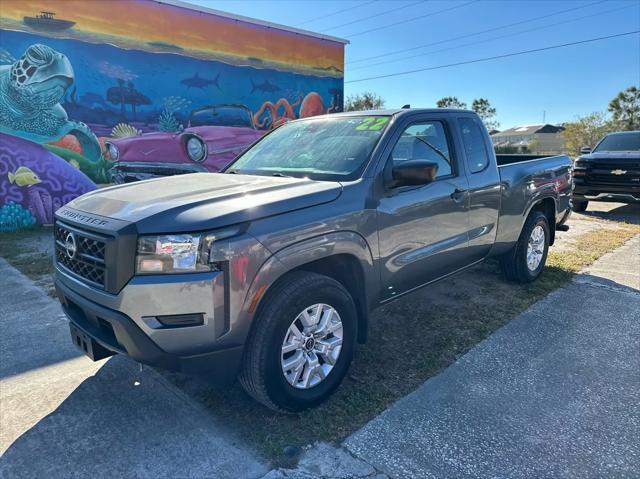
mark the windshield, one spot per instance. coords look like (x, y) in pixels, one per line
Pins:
(329, 148)
(620, 142)
(221, 116)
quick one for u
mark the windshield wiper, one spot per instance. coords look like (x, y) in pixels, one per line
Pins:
(232, 172)
(434, 148)
(281, 175)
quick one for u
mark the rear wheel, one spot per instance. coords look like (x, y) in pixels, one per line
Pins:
(525, 262)
(580, 206)
(302, 343)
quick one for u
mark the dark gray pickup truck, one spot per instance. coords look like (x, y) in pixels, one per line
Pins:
(268, 270)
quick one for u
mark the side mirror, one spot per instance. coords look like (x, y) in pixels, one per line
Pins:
(585, 150)
(413, 173)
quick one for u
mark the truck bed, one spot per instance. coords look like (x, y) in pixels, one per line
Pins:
(526, 180)
(509, 159)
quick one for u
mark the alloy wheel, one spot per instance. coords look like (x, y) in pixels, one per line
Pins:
(311, 346)
(535, 248)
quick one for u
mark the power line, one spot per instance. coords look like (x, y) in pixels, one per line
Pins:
(360, 5)
(431, 14)
(404, 50)
(375, 15)
(393, 60)
(496, 57)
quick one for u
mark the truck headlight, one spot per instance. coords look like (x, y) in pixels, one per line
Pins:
(196, 149)
(114, 153)
(183, 253)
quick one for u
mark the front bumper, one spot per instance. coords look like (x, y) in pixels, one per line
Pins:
(586, 189)
(591, 193)
(125, 324)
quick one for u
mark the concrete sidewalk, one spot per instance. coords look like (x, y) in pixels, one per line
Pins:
(552, 394)
(62, 415)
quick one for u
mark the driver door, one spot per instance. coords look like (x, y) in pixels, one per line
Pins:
(423, 231)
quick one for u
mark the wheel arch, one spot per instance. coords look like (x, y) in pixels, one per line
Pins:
(342, 256)
(547, 206)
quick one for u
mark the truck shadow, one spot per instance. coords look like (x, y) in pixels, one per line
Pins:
(123, 422)
(410, 341)
(626, 213)
(134, 423)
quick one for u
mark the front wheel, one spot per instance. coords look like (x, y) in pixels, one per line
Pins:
(580, 206)
(301, 344)
(525, 262)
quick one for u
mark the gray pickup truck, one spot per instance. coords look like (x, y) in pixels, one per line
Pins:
(268, 271)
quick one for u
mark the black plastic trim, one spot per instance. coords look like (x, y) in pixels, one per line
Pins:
(220, 366)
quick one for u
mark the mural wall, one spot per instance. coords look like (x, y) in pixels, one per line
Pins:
(81, 82)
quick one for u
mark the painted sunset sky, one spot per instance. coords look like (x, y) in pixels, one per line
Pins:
(148, 25)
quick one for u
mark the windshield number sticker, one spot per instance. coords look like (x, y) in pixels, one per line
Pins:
(372, 123)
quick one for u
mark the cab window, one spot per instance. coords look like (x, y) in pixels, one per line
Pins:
(474, 144)
(426, 140)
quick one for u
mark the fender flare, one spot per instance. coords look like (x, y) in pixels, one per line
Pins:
(307, 251)
(536, 201)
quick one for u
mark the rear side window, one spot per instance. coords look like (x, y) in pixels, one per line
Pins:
(474, 144)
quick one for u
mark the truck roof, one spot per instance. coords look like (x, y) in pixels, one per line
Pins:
(630, 132)
(401, 111)
(211, 11)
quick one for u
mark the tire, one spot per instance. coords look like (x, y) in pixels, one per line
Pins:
(515, 263)
(580, 206)
(263, 375)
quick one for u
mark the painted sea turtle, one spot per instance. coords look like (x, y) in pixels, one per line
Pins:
(30, 94)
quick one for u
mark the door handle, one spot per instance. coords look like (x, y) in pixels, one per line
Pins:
(459, 194)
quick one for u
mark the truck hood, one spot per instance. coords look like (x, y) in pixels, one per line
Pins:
(616, 155)
(204, 201)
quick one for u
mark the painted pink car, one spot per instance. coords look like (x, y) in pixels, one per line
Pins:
(215, 135)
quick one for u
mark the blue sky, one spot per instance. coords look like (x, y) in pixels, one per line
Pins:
(564, 83)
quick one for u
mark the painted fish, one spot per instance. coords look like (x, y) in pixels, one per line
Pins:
(264, 87)
(23, 176)
(199, 82)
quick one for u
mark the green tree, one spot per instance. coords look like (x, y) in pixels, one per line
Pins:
(625, 109)
(364, 101)
(586, 131)
(532, 147)
(486, 112)
(451, 102)
(507, 149)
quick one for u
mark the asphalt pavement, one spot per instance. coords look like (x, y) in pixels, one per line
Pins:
(62, 415)
(554, 393)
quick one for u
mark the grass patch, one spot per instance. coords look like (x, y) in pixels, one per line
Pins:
(591, 246)
(27, 251)
(410, 341)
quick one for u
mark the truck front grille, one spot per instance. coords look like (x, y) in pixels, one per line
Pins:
(627, 173)
(81, 253)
